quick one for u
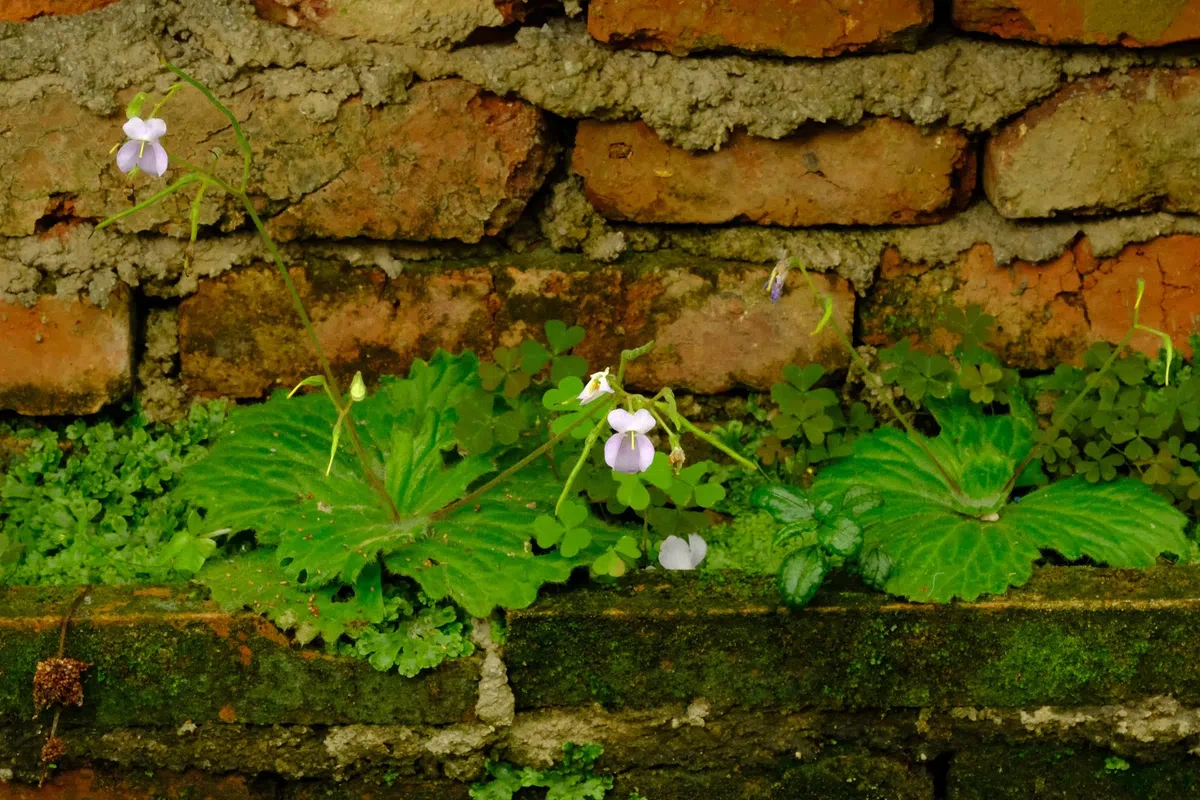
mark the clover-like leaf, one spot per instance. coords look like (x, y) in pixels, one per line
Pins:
(562, 338)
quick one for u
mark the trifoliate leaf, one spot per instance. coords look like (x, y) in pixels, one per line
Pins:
(562, 338)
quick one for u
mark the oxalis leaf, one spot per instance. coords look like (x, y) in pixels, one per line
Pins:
(266, 473)
(945, 545)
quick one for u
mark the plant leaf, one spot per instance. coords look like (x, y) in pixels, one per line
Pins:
(801, 574)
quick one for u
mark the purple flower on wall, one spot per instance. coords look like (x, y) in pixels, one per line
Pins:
(143, 150)
(628, 450)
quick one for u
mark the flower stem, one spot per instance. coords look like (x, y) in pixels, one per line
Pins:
(717, 443)
(884, 394)
(520, 465)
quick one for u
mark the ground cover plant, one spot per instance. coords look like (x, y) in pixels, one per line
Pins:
(379, 520)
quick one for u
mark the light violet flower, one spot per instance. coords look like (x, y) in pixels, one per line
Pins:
(597, 386)
(628, 450)
(142, 149)
(675, 553)
(774, 283)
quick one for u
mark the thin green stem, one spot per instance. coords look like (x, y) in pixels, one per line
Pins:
(630, 355)
(170, 190)
(588, 444)
(515, 468)
(884, 394)
(1058, 420)
(243, 142)
(717, 443)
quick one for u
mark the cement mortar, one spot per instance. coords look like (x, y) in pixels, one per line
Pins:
(80, 261)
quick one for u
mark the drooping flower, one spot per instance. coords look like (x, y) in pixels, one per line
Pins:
(142, 149)
(774, 283)
(675, 553)
(596, 386)
(628, 450)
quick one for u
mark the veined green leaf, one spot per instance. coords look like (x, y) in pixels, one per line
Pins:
(945, 544)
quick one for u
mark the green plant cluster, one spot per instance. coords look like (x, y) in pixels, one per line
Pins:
(89, 502)
(573, 778)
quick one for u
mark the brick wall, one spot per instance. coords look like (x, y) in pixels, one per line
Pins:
(448, 174)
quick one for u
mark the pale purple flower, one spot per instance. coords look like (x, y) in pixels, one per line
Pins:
(774, 283)
(142, 149)
(675, 553)
(596, 386)
(628, 450)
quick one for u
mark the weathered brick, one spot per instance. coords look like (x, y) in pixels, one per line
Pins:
(1132, 23)
(160, 657)
(91, 784)
(24, 10)
(766, 26)
(714, 324)
(240, 336)
(1047, 313)
(453, 162)
(1109, 143)
(428, 23)
(65, 356)
(879, 172)
(1073, 636)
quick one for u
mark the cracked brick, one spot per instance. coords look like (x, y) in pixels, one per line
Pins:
(881, 171)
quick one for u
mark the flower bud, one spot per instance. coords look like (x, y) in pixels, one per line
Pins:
(677, 459)
(358, 389)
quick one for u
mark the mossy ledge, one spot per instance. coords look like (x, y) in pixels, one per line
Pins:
(1071, 636)
(161, 656)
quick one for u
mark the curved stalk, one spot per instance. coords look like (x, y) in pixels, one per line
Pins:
(861, 363)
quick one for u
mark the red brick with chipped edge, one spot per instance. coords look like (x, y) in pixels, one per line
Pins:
(1051, 312)
(1066, 22)
(25, 10)
(830, 27)
(879, 172)
(65, 356)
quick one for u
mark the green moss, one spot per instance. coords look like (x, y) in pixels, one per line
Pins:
(1072, 633)
(160, 658)
(999, 773)
(744, 544)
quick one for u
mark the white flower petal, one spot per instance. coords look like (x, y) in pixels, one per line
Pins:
(699, 548)
(642, 422)
(127, 156)
(645, 453)
(155, 128)
(620, 420)
(612, 449)
(136, 128)
(674, 554)
(154, 159)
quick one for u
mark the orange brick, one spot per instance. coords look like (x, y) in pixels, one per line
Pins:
(1109, 143)
(879, 172)
(24, 10)
(1047, 313)
(809, 28)
(1132, 23)
(65, 356)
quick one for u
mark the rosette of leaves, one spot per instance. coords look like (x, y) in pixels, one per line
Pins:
(822, 537)
(948, 522)
(267, 474)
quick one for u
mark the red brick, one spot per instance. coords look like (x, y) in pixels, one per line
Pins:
(1047, 313)
(65, 356)
(421, 22)
(239, 335)
(1110, 143)
(88, 784)
(714, 324)
(1132, 23)
(809, 28)
(451, 163)
(24, 10)
(879, 172)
